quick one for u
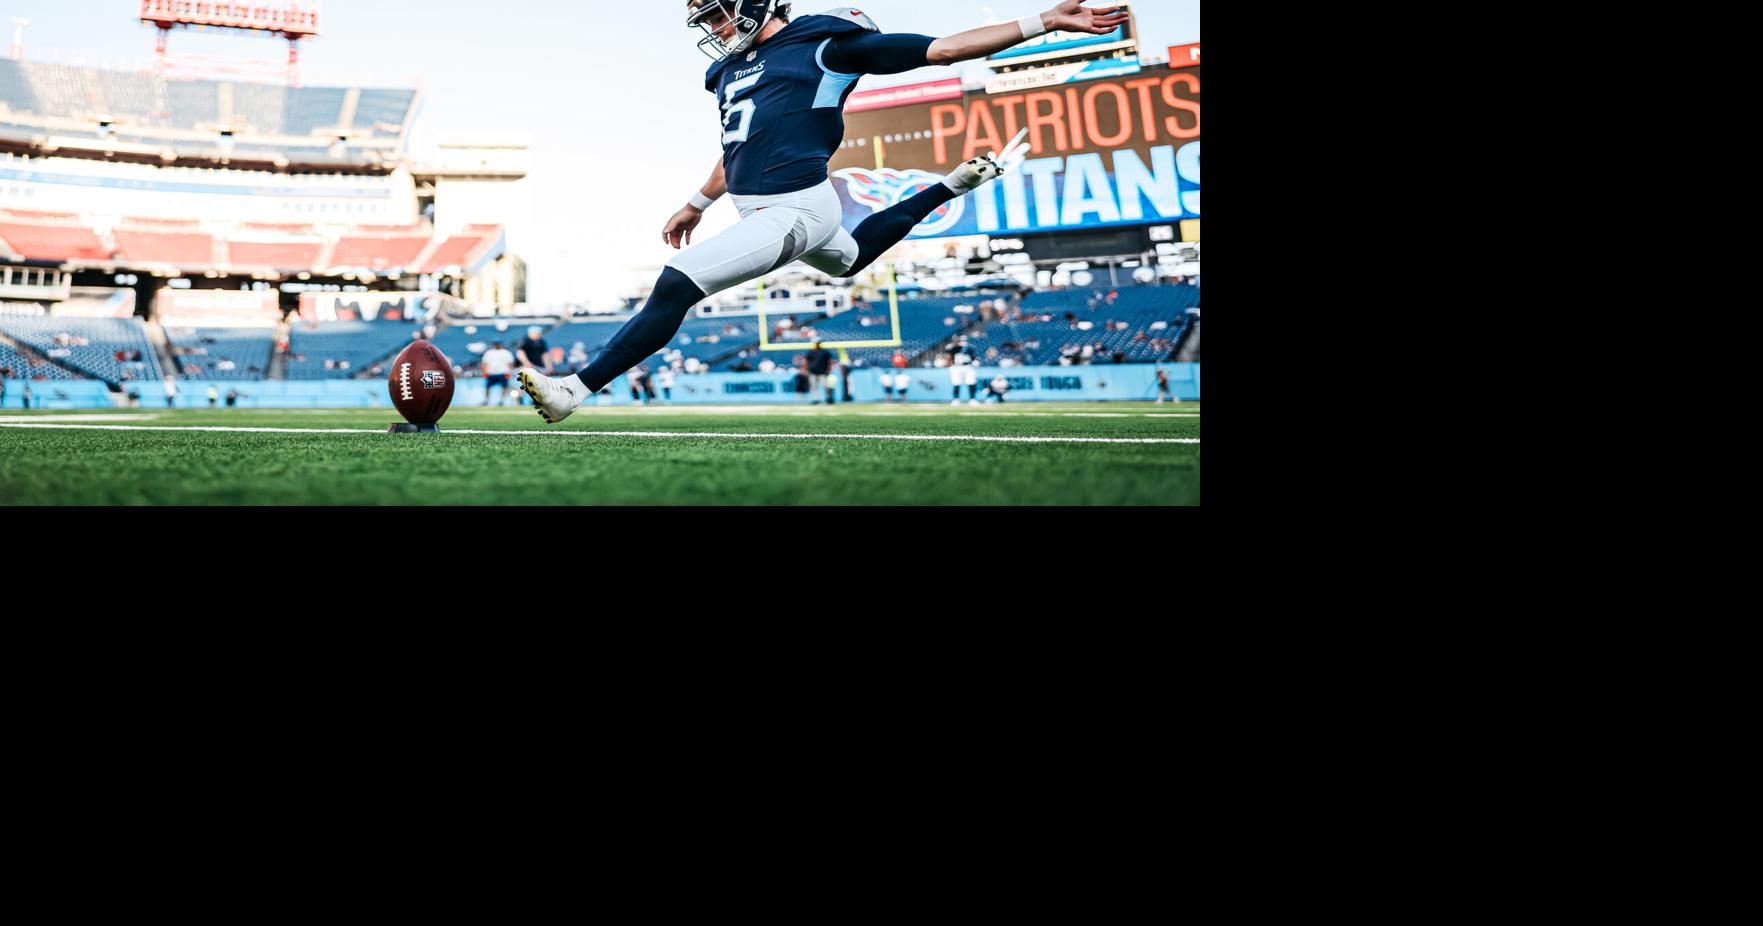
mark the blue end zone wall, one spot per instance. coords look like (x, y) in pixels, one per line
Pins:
(1108, 383)
(57, 395)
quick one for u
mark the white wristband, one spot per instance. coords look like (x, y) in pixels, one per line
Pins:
(1032, 26)
(701, 202)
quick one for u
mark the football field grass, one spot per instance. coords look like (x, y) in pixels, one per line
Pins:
(1020, 454)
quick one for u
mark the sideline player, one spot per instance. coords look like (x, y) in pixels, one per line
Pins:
(783, 83)
(964, 370)
(498, 364)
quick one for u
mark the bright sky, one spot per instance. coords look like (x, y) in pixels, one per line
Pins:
(609, 95)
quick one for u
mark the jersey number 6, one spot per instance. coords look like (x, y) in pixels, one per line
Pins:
(743, 110)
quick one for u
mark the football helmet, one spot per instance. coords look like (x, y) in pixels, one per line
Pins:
(749, 16)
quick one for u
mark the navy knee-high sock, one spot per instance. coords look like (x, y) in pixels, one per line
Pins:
(674, 296)
(891, 226)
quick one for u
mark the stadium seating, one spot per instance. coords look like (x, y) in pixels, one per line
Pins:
(465, 344)
(202, 352)
(60, 89)
(383, 111)
(591, 335)
(53, 240)
(151, 243)
(311, 110)
(463, 250)
(192, 103)
(378, 252)
(15, 89)
(140, 104)
(30, 367)
(90, 345)
(287, 256)
(179, 249)
(132, 93)
(259, 107)
(360, 345)
(710, 340)
(1153, 316)
(924, 323)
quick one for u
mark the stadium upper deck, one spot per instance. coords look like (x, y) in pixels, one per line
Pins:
(68, 107)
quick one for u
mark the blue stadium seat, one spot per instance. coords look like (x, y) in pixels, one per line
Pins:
(29, 367)
(201, 352)
(359, 345)
(383, 107)
(90, 345)
(140, 103)
(15, 89)
(1153, 318)
(310, 109)
(192, 102)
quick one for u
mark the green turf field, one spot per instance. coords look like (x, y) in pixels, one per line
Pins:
(1022, 454)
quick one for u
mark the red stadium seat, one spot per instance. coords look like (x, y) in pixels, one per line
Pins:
(457, 250)
(296, 229)
(378, 253)
(53, 242)
(285, 255)
(191, 249)
(33, 215)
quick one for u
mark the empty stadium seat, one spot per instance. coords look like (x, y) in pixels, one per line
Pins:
(376, 253)
(90, 345)
(358, 344)
(53, 242)
(206, 353)
(285, 256)
(30, 367)
(383, 111)
(455, 251)
(144, 104)
(185, 249)
(1153, 318)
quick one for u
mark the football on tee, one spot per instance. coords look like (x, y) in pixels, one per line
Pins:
(422, 383)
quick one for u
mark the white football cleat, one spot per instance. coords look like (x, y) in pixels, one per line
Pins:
(955, 404)
(983, 170)
(556, 399)
(973, 401)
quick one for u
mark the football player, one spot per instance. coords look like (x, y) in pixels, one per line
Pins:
(964, 370)
(782, 83)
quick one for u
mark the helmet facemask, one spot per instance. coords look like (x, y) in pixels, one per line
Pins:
(747, 27)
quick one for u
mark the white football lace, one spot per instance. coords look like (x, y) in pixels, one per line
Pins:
(404, 382)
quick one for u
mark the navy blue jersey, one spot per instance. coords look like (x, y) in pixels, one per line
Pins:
(783, 109)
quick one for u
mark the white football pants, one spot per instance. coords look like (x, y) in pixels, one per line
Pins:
(773, 231)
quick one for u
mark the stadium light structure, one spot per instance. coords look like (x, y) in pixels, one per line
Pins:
(289, 19)
(18, 25)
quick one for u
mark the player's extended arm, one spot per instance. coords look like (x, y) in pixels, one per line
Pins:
(896, 53)
(1068, 16)
(679, 228)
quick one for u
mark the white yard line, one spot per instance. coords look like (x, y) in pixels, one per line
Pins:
(19, 420)
(947, 438)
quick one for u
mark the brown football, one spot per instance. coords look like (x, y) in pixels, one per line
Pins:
(422, 383)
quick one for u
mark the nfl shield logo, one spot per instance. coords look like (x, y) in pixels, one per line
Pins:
(434, 379)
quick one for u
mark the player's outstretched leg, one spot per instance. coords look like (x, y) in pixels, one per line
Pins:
(651, 330)
(891, 226)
